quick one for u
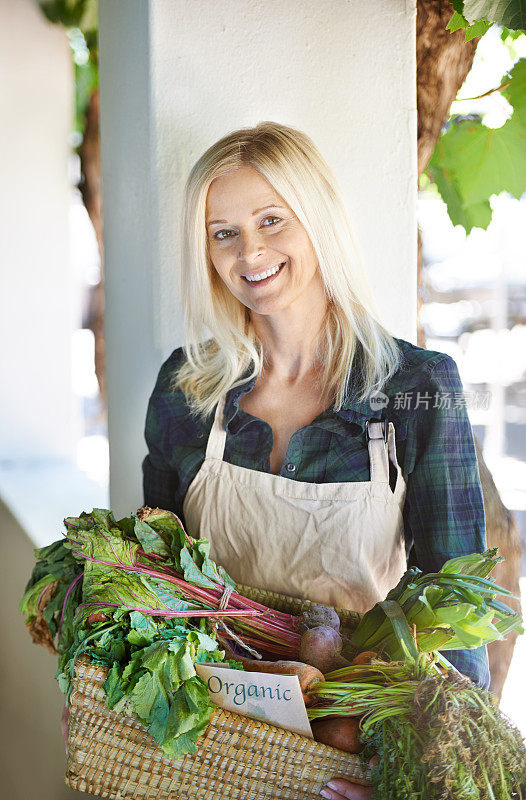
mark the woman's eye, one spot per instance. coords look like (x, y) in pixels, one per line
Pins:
(224, 234)
(271, 221)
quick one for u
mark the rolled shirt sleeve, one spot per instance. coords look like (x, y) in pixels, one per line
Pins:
(444, 509)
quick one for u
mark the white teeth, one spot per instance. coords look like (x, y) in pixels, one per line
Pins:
(262, 275)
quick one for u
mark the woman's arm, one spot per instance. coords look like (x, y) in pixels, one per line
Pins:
(444, 509)
(160, 479)
(159, 483)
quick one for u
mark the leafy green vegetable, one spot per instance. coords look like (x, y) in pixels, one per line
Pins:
(453, 609)
(162, 685)
(55, 579)
(437, 736)
(137, 596)
(97, 596)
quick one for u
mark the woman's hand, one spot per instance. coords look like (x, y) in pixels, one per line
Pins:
(342, 789)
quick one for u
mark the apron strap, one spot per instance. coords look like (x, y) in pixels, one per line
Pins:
(215, 447)
(380, 451)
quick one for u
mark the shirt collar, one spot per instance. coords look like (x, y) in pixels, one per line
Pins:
(352, 409)
(234, 416)
(358, 412)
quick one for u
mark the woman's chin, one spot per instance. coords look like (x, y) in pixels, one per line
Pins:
(267, 306)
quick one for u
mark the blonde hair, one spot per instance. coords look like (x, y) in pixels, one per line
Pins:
(290, 162)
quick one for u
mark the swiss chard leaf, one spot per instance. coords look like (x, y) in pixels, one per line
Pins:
(150, 539)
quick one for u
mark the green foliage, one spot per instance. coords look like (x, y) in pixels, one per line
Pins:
(71, 13)
(472, 162)
(80, 19)
(436, 736)
(85, 60)
(477, 16)
(446, 741)
(478, 28)
(506, 33)
(511, 13)
(160, 684)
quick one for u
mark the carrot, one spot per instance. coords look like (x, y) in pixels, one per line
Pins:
(308, 676)
(340, 732)
(98, 617)
(364, 658)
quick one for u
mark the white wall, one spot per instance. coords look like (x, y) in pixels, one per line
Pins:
(37, 413)
(32, 756)
(175, 76)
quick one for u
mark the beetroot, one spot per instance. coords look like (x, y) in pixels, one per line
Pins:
(321, 647)
(317, 617)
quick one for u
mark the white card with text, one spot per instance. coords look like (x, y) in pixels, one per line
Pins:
(275, 699)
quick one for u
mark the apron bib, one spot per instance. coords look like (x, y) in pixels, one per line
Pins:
(339, 544)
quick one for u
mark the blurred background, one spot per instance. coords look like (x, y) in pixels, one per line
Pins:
(54, 451)
(473, 306)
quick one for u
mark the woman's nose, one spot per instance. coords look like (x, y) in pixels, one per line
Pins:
(251, 245)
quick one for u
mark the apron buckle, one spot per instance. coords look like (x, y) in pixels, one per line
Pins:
(385, 427)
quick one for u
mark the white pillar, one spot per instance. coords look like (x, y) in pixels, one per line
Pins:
(130, 172)
(175, 76)
(38, 416)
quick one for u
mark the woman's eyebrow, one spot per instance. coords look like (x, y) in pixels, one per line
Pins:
(264, 208)
(256, 211)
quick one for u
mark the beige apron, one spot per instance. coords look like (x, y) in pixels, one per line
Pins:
(339, 544)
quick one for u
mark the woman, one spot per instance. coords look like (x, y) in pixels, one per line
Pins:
(312, 448)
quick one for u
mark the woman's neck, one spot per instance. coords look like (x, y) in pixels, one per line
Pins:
(290, 341)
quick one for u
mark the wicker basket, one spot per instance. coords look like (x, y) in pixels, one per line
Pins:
(112, 755)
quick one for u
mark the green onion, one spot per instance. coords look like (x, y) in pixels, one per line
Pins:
(453, 609)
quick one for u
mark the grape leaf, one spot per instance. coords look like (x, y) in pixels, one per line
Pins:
(471, 162)
(511, 13)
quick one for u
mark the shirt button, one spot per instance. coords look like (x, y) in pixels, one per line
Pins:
(199, 434)
(290, 467)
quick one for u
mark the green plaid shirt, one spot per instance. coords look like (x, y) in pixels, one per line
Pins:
(443, 510)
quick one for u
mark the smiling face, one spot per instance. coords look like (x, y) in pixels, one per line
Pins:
(258, 246)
